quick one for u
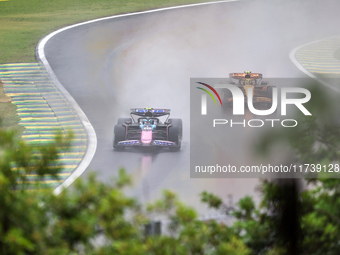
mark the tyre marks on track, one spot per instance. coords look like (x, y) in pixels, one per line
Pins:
(43, 112)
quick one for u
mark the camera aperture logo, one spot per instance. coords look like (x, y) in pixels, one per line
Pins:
(248, 94)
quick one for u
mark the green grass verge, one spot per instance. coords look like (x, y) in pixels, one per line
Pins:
(25, 22)
(8, 117)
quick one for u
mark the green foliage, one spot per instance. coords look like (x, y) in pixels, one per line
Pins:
(321, 221)
(23, 217)
(211, 200)
(96, 218)
(191, 235)
(92, 217)
(297, 217)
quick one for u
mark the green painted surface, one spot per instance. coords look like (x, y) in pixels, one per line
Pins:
(25, 22)
(43, 111)
(320, 57)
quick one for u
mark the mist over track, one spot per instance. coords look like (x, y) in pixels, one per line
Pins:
(147, 60)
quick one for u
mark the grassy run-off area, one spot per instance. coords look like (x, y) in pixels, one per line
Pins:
(24, 22)
(8, 117)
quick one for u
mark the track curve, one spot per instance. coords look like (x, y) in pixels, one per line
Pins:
(146, 60)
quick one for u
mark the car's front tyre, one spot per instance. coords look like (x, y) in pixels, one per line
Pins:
(175, 136)
(177, 123)
(118, 136)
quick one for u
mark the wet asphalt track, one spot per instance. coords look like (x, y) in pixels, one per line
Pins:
(147, 60)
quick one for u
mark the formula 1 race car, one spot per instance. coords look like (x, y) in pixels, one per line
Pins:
(262, 93)
(145, 128)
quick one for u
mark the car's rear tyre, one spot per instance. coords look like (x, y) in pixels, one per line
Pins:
(225, 95)
(177, 123)
(270, 92)
(118, 136)
(175, 136)
(270, 96)
(120, 121)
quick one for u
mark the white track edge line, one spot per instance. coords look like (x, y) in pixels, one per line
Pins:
(299, 66)
(92, 138)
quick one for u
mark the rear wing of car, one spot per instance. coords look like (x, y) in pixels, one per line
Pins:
(245, 75)
(150, 112)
